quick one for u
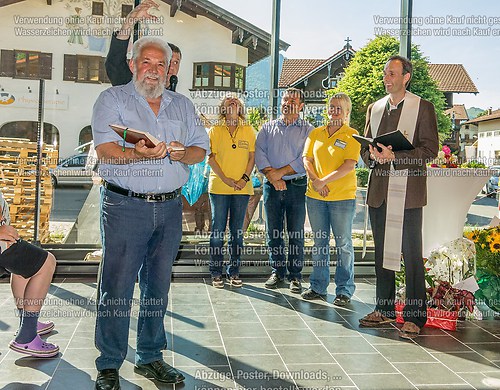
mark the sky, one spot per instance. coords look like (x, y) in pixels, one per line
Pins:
(318, 29)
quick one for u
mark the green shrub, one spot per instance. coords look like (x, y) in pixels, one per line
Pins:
(362, 175)
(473, 164)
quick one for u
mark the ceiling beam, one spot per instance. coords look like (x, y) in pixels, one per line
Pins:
(3, 3)
(188, 9)
(174, 7)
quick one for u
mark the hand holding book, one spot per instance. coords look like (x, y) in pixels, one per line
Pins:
(175, 151)
(148, 146)
(396, 139)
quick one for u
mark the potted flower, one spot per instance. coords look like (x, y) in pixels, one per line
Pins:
(445, 304)
(445, 159)
(487, 243)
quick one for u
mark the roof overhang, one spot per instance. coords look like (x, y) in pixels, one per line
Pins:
(244, 33)
(327, 62)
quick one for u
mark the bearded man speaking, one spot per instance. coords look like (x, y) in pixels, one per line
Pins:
(141, 210)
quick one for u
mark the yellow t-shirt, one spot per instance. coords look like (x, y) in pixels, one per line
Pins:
(329, 153)
(233, 161)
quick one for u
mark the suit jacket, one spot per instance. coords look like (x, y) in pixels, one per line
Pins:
(426, 143)
(116, 62)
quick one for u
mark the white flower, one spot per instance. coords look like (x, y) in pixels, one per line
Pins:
(453, 261)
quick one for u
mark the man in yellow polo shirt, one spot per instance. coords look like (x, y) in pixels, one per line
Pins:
(330, 155)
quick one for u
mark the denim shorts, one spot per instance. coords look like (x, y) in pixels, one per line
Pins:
(23, 258)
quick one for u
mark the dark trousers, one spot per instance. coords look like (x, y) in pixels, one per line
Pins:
(415, 309)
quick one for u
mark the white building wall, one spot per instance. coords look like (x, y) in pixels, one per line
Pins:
(200, 40)
(488, 145)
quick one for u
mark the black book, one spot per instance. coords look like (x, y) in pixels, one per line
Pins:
(395, 138)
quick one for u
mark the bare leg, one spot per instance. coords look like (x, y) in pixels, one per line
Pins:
(18, 286)
(35, 288)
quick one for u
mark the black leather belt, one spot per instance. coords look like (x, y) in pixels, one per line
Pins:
(147, 197)
(294, 180)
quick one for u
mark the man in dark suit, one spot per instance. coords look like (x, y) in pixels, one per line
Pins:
(397, 193)
(116, 61)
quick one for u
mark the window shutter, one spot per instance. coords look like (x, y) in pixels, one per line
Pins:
(46, 66)
(70, 67)
(7, 63)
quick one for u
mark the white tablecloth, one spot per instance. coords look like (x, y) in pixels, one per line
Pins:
(450, 193)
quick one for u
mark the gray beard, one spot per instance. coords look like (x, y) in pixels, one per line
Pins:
(149, 91)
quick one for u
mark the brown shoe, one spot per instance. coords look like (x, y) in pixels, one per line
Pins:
(375, 319)
(409, 331)
(217, 282)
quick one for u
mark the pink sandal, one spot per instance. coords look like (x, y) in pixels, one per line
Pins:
(44, 327)
(37, 348)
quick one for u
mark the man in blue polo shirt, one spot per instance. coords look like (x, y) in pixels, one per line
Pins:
(141, 219)
(278, 155)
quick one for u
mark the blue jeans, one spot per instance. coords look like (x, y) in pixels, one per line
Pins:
(339, 216)
(138, 238)
(223, 205)
(289, 204)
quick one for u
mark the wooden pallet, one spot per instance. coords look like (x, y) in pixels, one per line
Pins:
(18, 183)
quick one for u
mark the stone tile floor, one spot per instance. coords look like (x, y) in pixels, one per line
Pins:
(253, 338)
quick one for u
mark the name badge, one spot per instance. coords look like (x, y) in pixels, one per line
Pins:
(243, 144)
(340, 144)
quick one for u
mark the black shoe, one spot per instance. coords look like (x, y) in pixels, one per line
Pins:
(273, 281)
(311, 294)
(107, 380)
(341, 300)
(160, 371)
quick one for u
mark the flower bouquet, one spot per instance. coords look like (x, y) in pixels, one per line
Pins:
(446, 265)
(452, 261)
(445, 159)
(487, 243)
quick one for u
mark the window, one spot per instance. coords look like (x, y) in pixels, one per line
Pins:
(489, 134)
(29, 130)
(84, 69)
(26, 64)
(239, 77)
(202, 72)
(97, 8)
(126, 9)
(88, 68)
(219, 76)
(222, 77)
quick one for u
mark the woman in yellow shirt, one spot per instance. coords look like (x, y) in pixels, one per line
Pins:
(232, 143)
(330, 155)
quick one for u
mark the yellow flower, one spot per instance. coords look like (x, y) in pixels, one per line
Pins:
(495, 246)
(473, 235)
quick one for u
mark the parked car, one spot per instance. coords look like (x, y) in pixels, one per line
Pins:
(492, 184)
(72, 171)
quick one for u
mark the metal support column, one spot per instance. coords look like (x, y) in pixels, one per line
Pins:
(275, 58)
(39, 147)
(405, 28)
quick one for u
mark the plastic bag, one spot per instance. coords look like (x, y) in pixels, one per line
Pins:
(197, 183)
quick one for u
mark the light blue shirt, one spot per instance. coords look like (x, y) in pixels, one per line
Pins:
(279, 144)
(176, 121)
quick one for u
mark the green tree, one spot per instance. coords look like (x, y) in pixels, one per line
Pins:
(256, 116)
(363, 81)
(485, 112)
